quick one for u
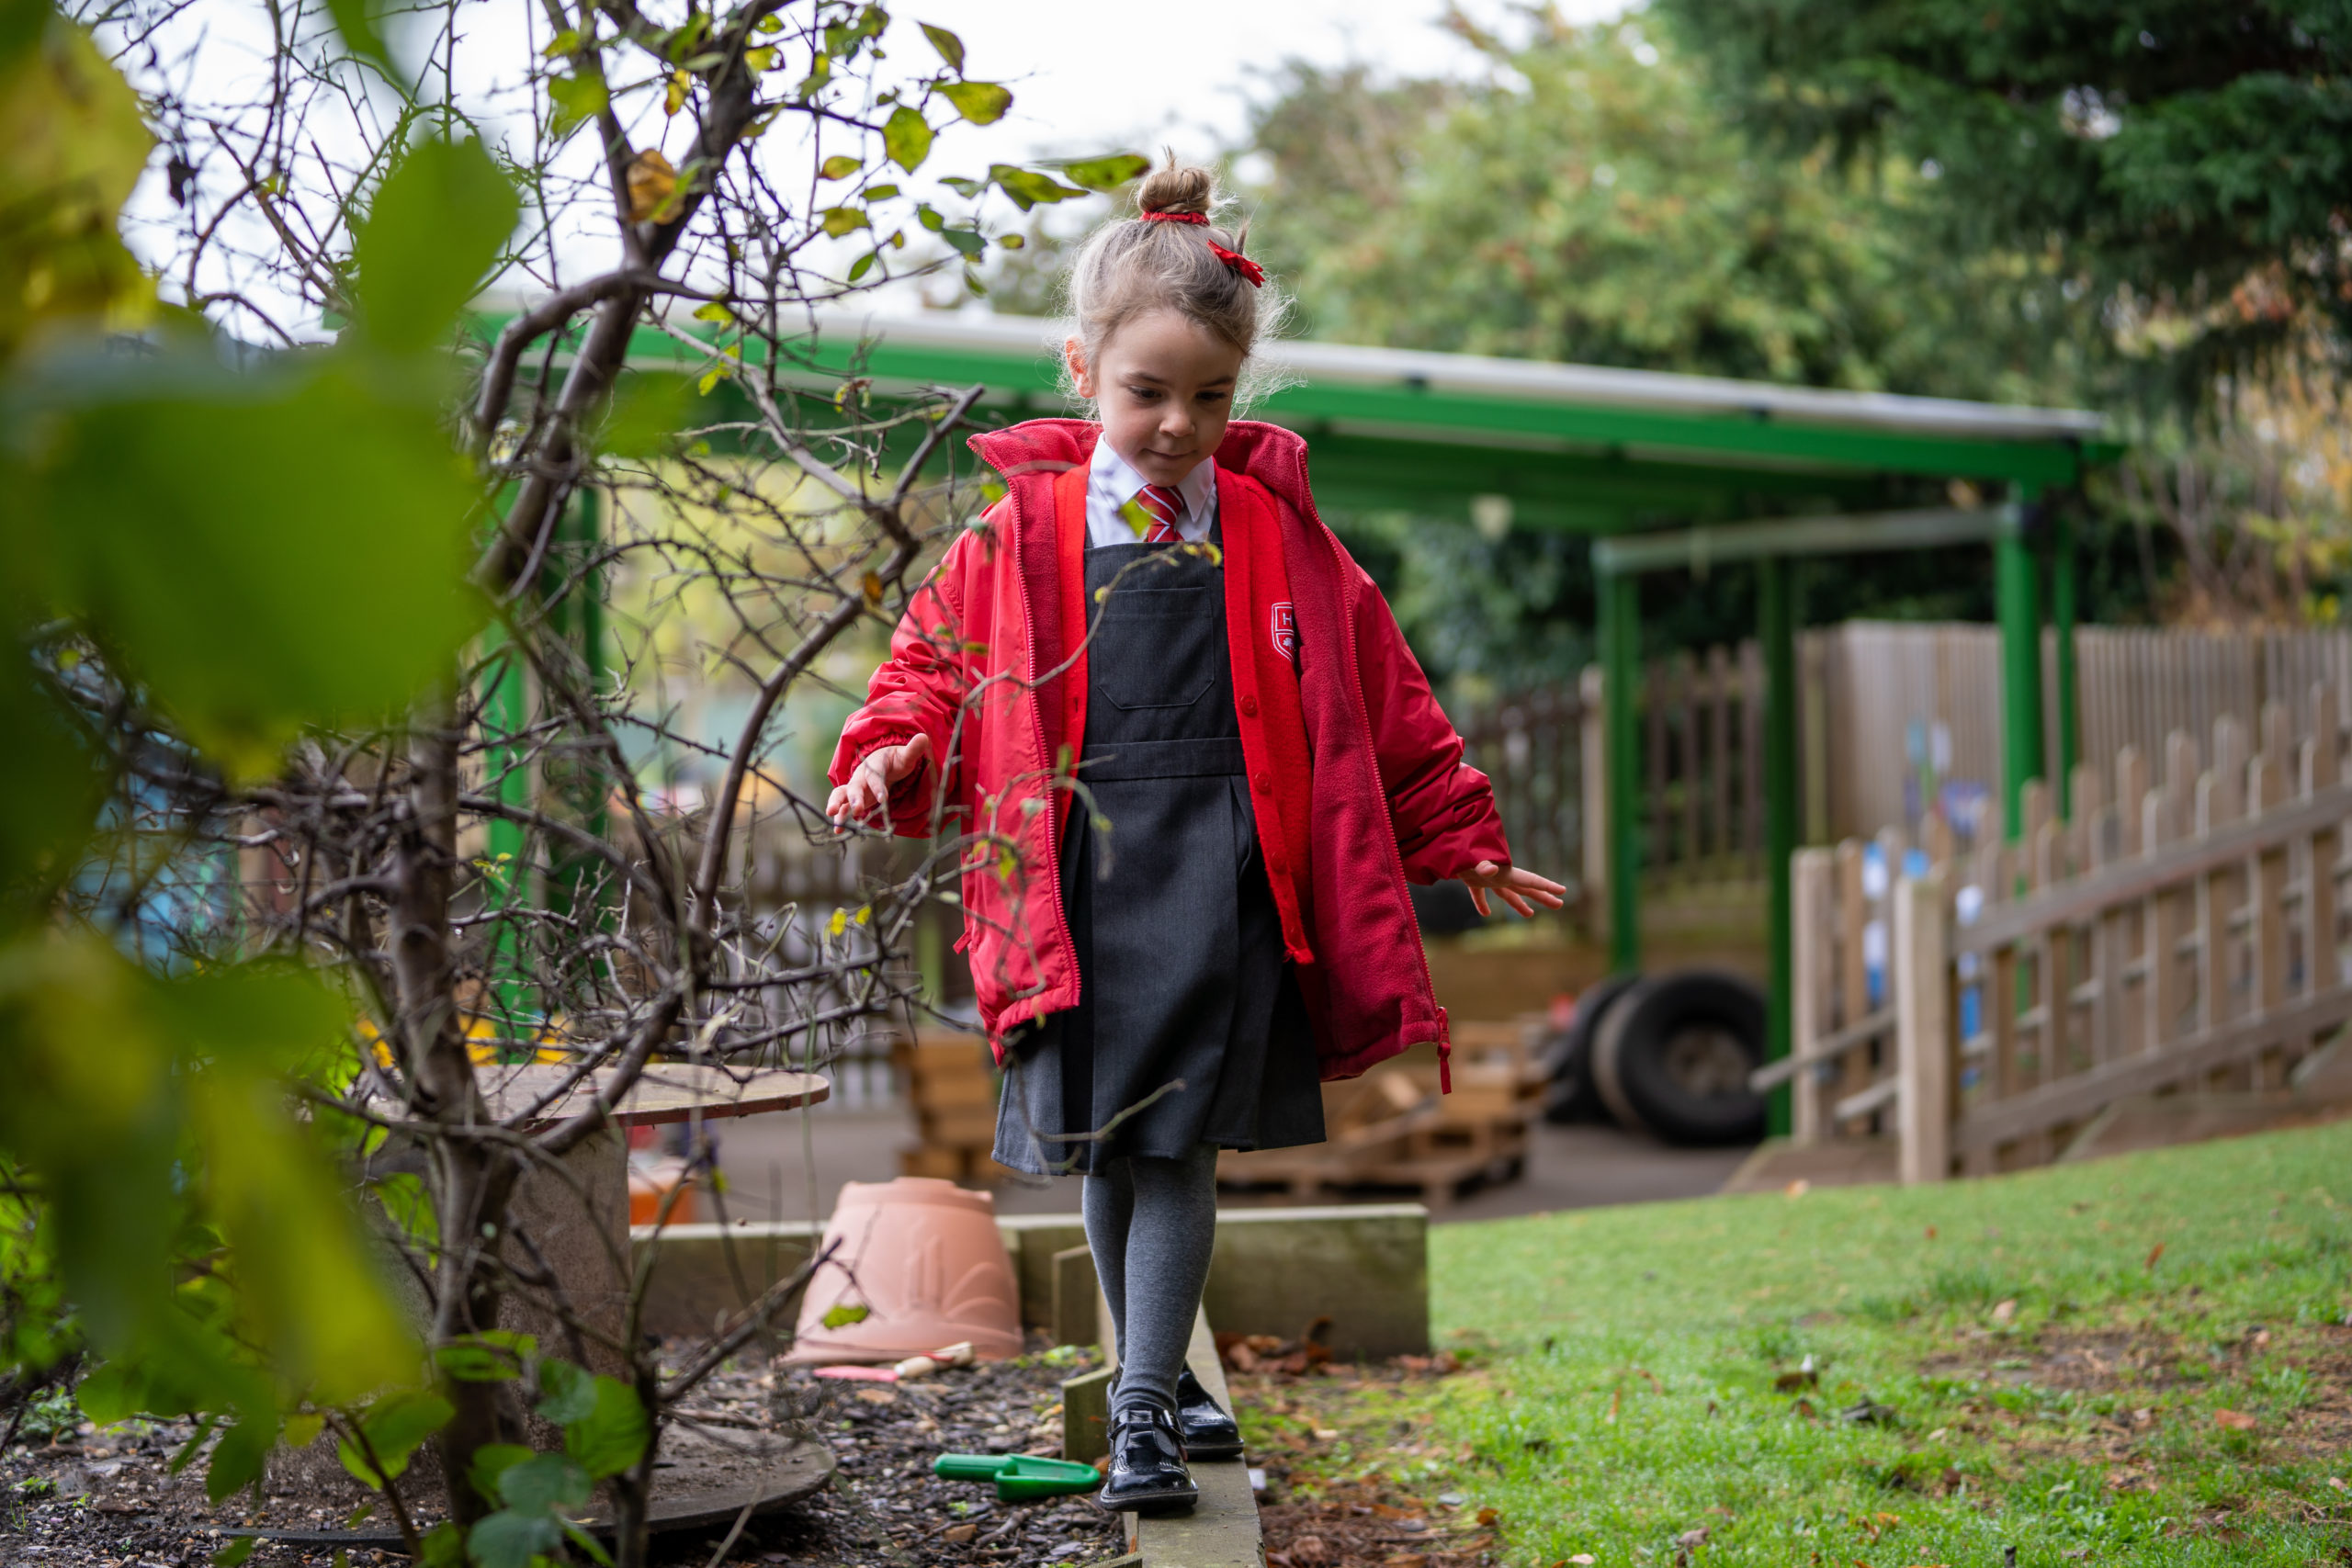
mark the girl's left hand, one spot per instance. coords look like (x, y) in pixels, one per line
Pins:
(1512, 885)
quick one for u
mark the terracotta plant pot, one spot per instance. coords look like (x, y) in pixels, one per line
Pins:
(925, 1258)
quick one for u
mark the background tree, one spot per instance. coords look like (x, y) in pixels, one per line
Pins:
(326, 791)
(1592, 201)
(2191, 162)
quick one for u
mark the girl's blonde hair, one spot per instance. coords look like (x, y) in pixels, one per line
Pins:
(1131, 266)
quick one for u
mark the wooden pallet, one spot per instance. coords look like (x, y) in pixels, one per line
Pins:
(952, 1085)
(1392, 1128)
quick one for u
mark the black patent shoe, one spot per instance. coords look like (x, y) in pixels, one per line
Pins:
(1209, 1432)
(1147, 1474)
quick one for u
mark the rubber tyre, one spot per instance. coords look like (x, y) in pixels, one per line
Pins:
(1672, 1057)
(1570, 1096)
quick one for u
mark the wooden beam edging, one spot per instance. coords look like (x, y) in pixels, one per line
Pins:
(2075, 901)
(1222, 1529)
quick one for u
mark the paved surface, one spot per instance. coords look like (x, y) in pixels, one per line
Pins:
(790, 1165)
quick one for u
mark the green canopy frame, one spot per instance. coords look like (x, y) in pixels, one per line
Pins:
(1662, 470)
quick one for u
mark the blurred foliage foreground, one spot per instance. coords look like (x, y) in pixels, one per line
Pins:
(318, 791)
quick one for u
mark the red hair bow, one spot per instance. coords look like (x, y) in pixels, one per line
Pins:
(1251, 273)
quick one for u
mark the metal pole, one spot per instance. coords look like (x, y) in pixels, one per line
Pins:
(2061, 618)
(1776, 629)
(2018, 603)
(1620, 663)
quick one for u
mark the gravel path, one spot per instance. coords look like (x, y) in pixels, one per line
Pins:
(105, 1500)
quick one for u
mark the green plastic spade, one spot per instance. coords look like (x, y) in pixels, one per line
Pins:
(1020, 1478)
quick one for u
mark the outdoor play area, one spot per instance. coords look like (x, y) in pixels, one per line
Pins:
(1344, 785)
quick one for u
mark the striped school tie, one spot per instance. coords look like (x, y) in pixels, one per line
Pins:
(1165, 508)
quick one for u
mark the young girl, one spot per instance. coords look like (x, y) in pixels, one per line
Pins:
(1155, 673)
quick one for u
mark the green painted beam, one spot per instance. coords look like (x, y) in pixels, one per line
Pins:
(2017, 605)
(1845, 534)
(1740, 447)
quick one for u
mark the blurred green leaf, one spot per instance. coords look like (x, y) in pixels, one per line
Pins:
(950, 47)
(1104, 174)
(965, 241)
(239, 1458)
(360, 23)
(485, 1358)
(73, 144)
(54, 790)
(982, 103)
(847, 1312)
(577, 100)
(1027, 187)
(841, 220)
(906, 137)
(613, 1434)
(395, 1427)
(545, 1483)
(568, 1393)
(647, 413)
(439, 221)
(236, 1553)
(839, 166)
(491, 1462)
(511, 1538)
(181, 497)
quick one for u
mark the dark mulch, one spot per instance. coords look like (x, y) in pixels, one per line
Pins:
(103, 1499)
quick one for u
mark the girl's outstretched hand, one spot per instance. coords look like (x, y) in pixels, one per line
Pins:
(1513, 887)
(865, 799)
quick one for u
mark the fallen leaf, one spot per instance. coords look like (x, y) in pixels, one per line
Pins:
(2005, 1312)
(1409, 1559)
(878, 1395)
(1798, 1188)
(1309, 1551)
(1583, 1560)
(1805, 1408)
(959, 1534)
(1932, 1233)
(2153, 1253)
(1691, 1537)
(2236, 1420)
(1789, 1382)
(1488, 1515)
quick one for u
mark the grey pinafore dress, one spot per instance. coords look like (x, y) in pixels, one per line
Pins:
(1189, 1027)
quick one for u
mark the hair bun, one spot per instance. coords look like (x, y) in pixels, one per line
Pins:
(1176, 188)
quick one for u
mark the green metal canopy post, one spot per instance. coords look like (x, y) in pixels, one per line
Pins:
(2016, 603)
(1776, 629)
(1621, 670)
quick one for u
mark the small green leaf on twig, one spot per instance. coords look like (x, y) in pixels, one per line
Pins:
(982, 103)
(906, 137)
(846, 1314)
(950, 47)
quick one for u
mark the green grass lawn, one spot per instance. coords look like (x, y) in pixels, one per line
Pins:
(2143, 1360)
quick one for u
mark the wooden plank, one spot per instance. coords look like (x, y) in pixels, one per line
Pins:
(1924, 1047)
(1811, 895)
(2186, 1061)
(2266, 785)
(2142, 878)
(2321, 967)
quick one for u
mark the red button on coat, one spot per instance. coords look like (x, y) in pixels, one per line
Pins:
(1248, 707)
(1260, 780)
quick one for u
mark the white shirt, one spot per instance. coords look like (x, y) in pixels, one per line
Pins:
(1112, 481)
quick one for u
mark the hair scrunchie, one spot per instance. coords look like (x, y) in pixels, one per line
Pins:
(1251, 273)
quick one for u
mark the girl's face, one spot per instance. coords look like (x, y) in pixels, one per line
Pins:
(1164, 385)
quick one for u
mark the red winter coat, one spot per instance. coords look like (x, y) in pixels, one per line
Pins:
(1357, 778)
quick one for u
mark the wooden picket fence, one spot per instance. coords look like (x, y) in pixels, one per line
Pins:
(1701, 803)
(1977, 1004)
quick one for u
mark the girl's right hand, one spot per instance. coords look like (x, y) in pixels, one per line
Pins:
(865, 799)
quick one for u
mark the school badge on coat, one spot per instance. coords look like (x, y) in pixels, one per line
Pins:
(1285, 630)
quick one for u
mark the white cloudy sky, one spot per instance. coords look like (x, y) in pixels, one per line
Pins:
(1089, 76)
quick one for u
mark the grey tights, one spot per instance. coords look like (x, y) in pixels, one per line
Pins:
(1151, 1224)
